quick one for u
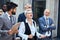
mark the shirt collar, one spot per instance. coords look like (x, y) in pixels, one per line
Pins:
(7, 14)
(27, 20)
(46, 17)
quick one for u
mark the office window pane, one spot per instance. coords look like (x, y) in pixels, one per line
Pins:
(3, 2)
(38, 8)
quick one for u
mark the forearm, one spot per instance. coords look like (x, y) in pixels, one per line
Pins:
(44, 28)
(3, 31)
(52, 27)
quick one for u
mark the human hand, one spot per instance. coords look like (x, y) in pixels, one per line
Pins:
(42, 36)
(30, 36)
(10, 32)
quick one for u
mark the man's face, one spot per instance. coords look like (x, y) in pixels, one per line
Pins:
(47, 13)
(14, 11)
(28, 7)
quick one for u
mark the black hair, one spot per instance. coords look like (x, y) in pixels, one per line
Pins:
(11, 5)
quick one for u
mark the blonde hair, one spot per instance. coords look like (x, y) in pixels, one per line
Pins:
(28, 11)
(27, 5)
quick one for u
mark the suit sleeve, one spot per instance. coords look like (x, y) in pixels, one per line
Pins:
(42, 26)
(1, 26)
(52, 27)
(1, 23)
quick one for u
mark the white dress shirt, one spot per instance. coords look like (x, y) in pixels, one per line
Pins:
(32, 28)
(48, 33)
(8, 15)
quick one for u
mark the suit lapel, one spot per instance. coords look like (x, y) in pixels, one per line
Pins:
(7, 21)
(49, 21)
(6, 17)
(44, 20)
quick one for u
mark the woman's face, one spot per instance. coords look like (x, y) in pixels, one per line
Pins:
(29, 15)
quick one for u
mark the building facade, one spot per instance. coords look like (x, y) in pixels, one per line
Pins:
(38, 8)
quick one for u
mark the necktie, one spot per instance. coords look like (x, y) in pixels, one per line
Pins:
(11, 19)
(47, 23)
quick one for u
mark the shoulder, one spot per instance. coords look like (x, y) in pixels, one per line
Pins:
(22, 23)
(51, 19)
(41, 18)
(21, 14)
(3, 15)
(34, 21)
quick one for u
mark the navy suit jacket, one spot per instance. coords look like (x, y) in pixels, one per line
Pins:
(21, 17)
(42, 24)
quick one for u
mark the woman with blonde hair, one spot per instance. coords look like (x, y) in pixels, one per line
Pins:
(27, 29)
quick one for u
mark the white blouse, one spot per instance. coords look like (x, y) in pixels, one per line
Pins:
(32, 28)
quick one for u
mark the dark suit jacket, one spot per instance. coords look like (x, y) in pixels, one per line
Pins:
(21, 17)
(42, 24)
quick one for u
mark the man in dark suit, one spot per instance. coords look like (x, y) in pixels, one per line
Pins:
(46, 24)
(22, 15)
(7, 20)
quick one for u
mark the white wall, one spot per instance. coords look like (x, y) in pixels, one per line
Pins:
(52, 5)
(56, 14)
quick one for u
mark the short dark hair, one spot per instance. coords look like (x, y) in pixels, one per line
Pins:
(11, 5)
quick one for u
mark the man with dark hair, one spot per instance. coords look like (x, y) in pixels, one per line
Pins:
(7, 21)
(13, 6)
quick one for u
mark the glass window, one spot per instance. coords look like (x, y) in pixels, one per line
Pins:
(3, 2)
(38, 8)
